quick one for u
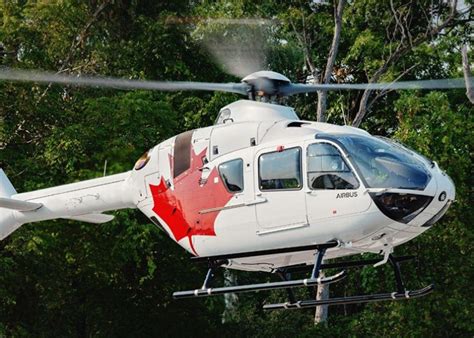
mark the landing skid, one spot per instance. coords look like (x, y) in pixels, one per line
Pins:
(351, 299)
(313, 280)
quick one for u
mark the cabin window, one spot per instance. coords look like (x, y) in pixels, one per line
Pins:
(327, 169)
(232, 174)
(280, 170)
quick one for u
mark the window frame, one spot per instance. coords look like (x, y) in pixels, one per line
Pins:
(224, 182)
(301, 170)
(344, 158)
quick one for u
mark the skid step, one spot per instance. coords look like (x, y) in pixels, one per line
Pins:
(203, 292)
(352, 299)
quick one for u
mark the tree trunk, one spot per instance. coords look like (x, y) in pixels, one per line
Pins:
(230, 299)
(322, 293)
(322, 95)
(322, 105)
(467, 74)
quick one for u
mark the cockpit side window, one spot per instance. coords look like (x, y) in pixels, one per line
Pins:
(232, 174)
(327, 169)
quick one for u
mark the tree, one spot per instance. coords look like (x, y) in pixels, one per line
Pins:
(322, 95)
(303, 27)
(404, 33)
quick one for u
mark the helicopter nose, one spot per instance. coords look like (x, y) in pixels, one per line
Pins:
(445, 195)
(446, 188)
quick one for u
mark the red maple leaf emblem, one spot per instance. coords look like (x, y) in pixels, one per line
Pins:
(179, 208)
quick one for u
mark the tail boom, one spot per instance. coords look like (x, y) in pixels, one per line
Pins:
(83, 201)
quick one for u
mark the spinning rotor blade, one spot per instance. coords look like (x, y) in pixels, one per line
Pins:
(262, 83)
(238, 45)
(117, 83)
(297, 88)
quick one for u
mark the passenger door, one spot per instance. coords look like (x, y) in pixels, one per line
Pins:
(279, 182)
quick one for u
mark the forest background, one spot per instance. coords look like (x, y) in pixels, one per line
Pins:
(65, 278)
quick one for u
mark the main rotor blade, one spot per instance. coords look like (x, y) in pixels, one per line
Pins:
(298, 88)
(21, 75)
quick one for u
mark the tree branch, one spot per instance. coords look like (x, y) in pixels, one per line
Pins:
(384, 92)
(398, 22)
(304, 46)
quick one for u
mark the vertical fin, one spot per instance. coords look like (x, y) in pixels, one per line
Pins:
(8, 223)
(6, 187)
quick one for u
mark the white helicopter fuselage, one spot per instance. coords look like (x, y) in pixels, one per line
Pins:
(212, 220)
(260, 179)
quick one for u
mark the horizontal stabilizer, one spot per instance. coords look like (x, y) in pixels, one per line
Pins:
(9, 203)
(92, 218)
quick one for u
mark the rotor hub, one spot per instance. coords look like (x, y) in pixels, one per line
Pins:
(265, 85)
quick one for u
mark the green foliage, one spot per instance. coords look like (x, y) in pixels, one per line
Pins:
(198, 113)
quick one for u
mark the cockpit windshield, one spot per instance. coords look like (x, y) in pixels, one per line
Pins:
(385, 164)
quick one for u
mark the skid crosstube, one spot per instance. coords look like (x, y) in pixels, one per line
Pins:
(204, 292)
(351, 299)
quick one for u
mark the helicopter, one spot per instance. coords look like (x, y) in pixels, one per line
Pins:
(261, 190)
